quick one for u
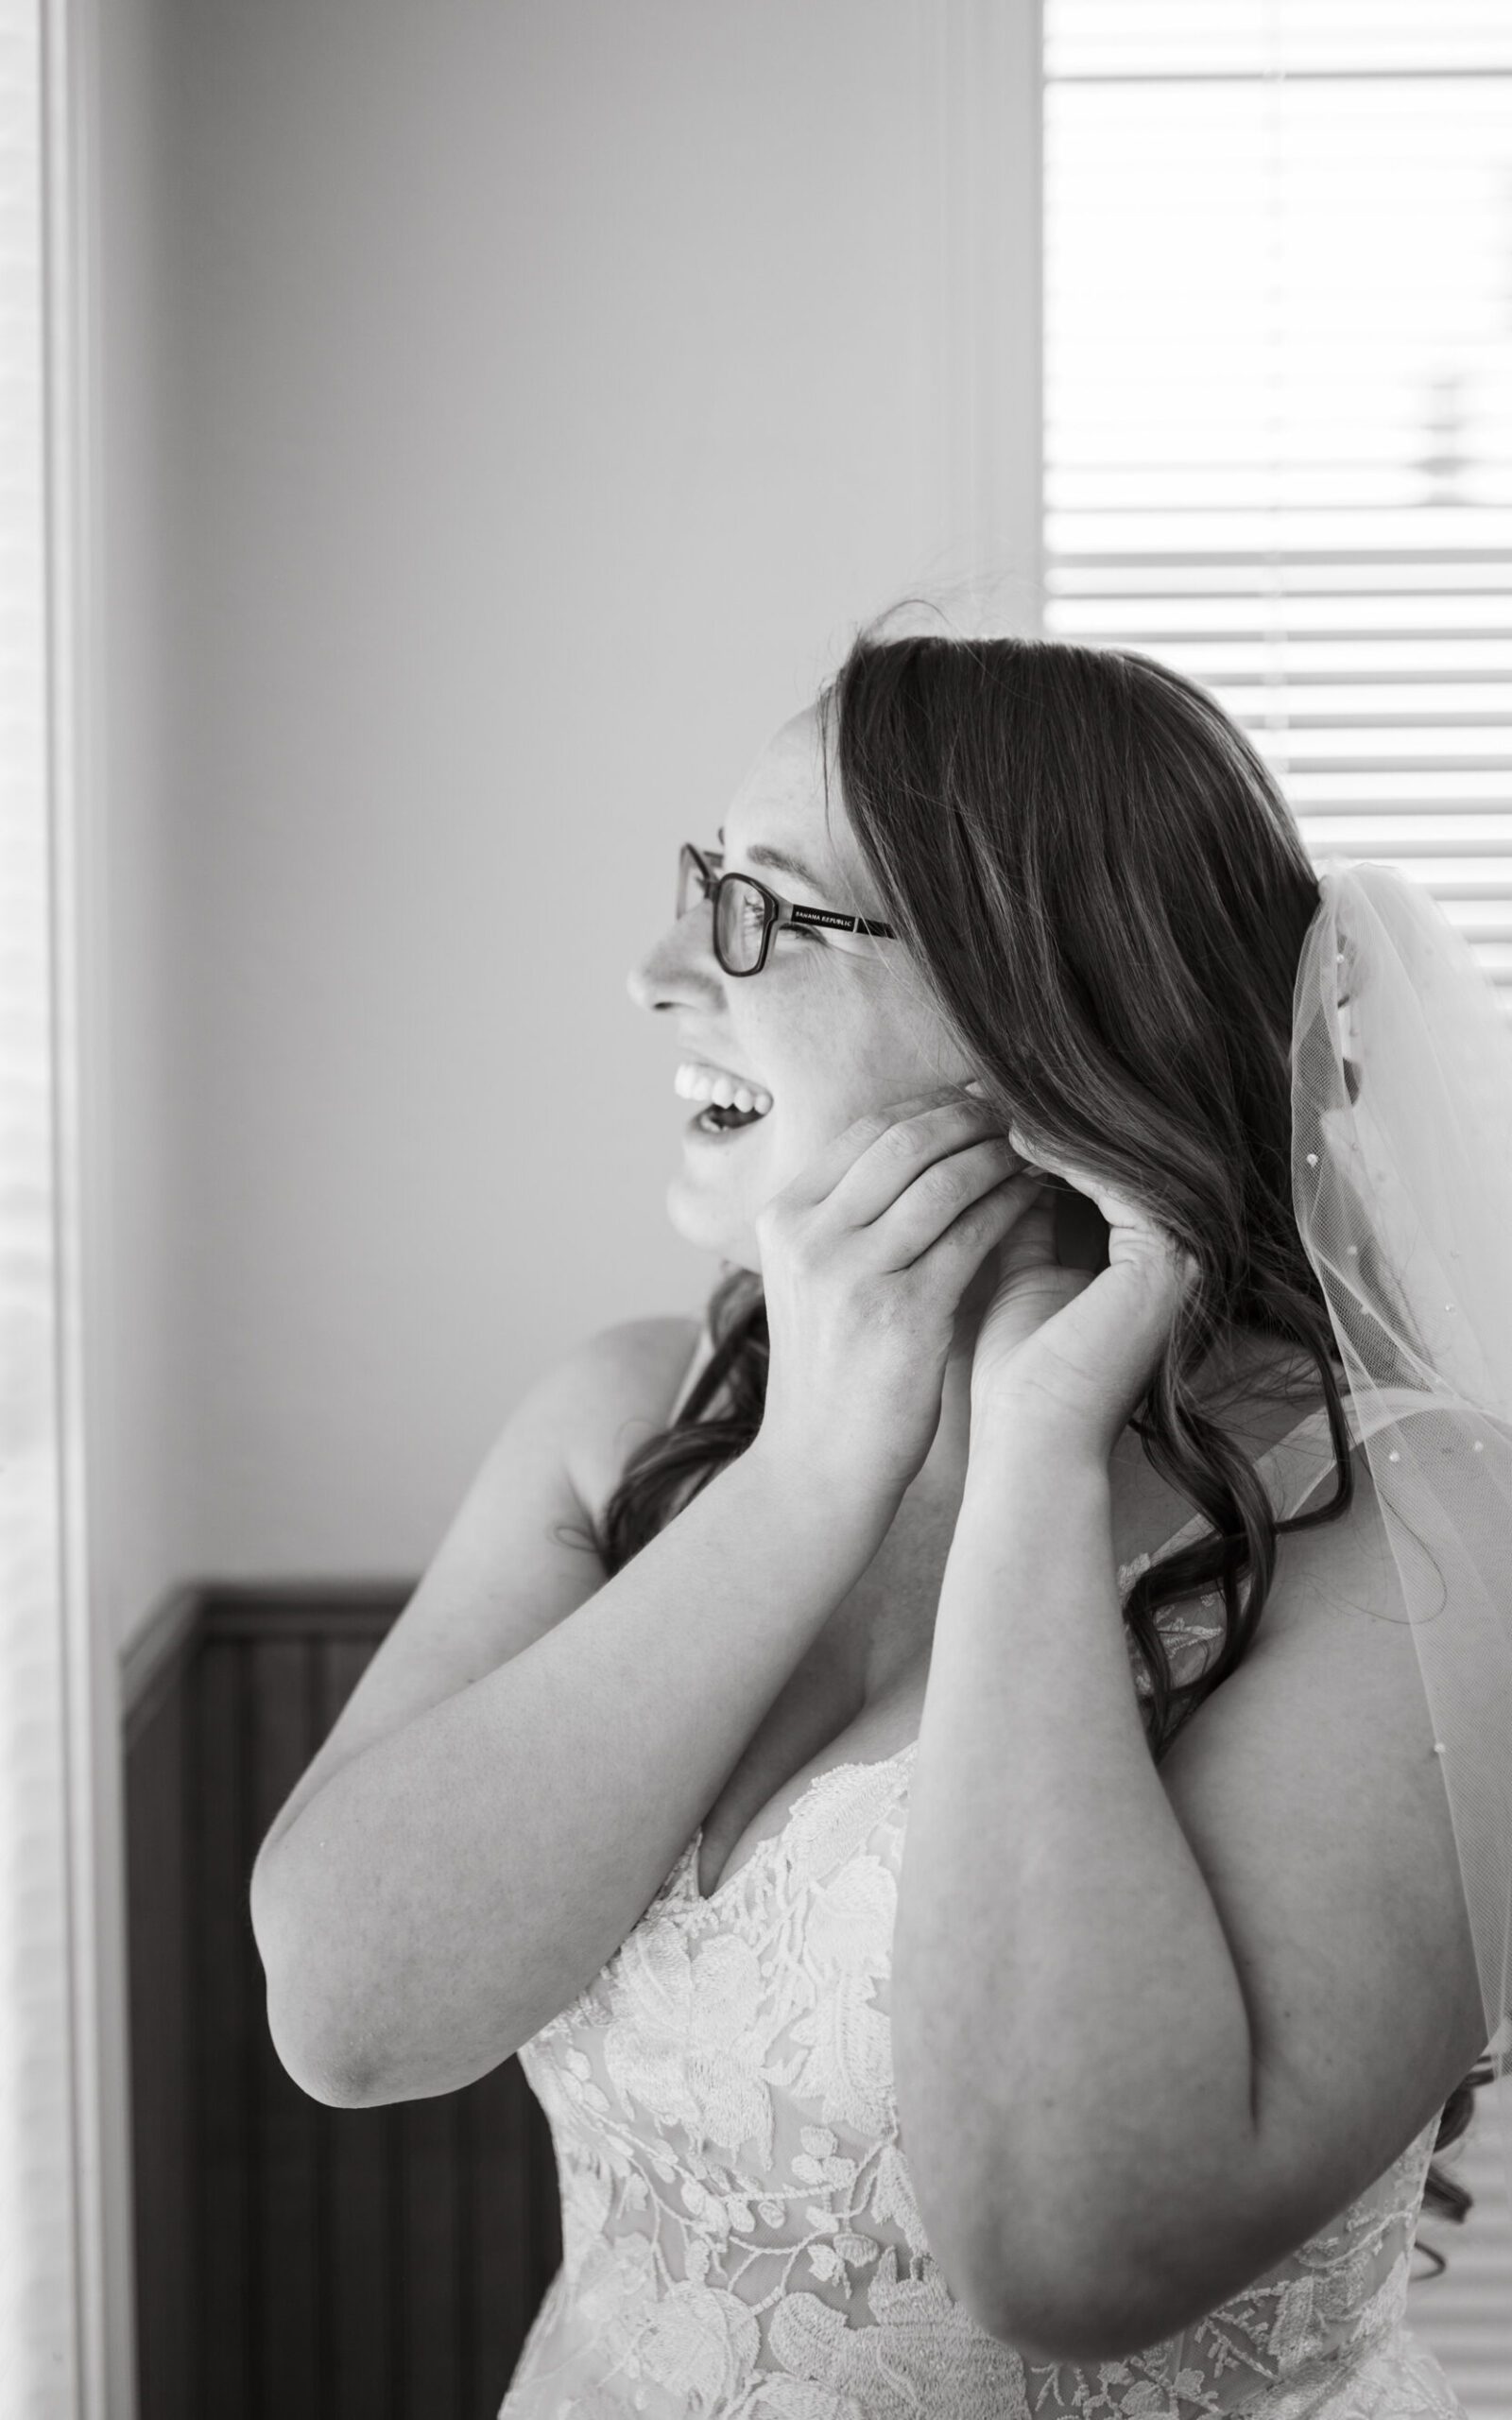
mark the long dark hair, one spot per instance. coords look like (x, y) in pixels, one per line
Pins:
(1107, 896)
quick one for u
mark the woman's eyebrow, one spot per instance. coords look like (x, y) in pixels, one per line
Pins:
(781, 861)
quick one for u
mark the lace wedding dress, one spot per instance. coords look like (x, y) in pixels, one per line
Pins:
(740, 2235)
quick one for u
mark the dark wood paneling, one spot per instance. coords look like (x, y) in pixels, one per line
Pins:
(430, 2176)
(364, 2287)
(294, 2262)
(284, 2122)
(158, 1895)
(227, 2012)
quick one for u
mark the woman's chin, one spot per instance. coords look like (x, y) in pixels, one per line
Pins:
(711, 1225)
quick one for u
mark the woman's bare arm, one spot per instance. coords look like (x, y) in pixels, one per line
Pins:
(516, 1558)
(454, 1884)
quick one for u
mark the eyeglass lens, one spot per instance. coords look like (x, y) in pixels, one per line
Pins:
(740, 915)
(740, 920)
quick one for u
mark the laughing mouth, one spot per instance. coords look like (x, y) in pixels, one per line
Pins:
(729, 1100)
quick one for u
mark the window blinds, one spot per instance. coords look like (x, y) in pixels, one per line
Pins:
(1279, 456)
(1278, 399)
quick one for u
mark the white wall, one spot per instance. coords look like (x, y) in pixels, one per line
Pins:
(546, 391)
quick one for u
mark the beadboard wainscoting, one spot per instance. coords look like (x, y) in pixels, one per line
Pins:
(293, 2261)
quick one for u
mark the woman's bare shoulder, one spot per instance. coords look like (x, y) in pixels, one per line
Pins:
(629, 1382)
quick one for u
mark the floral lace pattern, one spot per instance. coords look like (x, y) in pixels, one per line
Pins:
(739, 2236)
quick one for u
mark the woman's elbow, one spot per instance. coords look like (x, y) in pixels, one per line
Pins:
(329, 2081)
(312, 2046)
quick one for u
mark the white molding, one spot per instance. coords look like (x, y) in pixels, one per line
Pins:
(38, 2193)
(104, 2385)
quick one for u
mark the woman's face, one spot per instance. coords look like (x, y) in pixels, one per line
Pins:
(835, 1025)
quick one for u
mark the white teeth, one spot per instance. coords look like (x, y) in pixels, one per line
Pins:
(696, 1080)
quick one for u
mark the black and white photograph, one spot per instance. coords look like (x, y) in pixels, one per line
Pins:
(756, 1210)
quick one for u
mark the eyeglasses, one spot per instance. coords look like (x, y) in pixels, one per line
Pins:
(747, 914)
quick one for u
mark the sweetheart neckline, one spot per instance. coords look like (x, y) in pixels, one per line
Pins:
(687, 1865)
(846, 1765)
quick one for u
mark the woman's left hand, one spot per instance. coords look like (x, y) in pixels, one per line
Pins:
(1067, 1347)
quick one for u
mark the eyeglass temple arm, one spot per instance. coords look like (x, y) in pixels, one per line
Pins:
(841, 924)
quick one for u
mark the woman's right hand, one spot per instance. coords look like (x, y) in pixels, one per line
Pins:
(864, 1259)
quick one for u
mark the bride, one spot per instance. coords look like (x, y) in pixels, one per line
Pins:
(913, 1764)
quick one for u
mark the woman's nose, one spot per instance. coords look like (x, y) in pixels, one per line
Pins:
(679, 969)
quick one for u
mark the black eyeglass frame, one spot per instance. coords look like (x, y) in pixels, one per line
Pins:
(776, 911)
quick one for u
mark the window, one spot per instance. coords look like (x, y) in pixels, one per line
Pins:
(1278, 399)
(1277, 415)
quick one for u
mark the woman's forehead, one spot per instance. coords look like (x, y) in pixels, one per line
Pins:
(788, 778)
